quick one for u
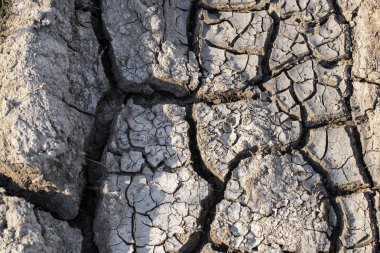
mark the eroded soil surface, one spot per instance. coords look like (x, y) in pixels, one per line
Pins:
(190, 126)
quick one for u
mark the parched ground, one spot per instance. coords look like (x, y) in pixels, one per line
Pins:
(190, 126)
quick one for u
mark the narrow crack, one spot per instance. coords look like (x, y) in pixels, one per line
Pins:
(84, 219)
(193, 40)
(269, 47)
(332, 192)
(112, 101)
(367, 177)
(355, 135)
(77, 109)
(217, 193)
(217, 187)
(374, 221)
(338, 228)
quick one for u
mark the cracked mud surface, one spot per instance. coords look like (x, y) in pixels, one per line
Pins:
(190, 126)
(25, 228)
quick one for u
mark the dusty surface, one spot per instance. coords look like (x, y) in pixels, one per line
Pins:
(190, 126)
(51, 82)
(157, 57)
(151, 189)
(24, 228)
(226, 130)
(271, 201)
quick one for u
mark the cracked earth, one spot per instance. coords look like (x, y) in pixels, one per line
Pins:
(190, 126)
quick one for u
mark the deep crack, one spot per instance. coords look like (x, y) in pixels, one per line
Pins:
(210, 96)
(108, 107)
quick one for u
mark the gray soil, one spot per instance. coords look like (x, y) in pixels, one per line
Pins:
(190, 126)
